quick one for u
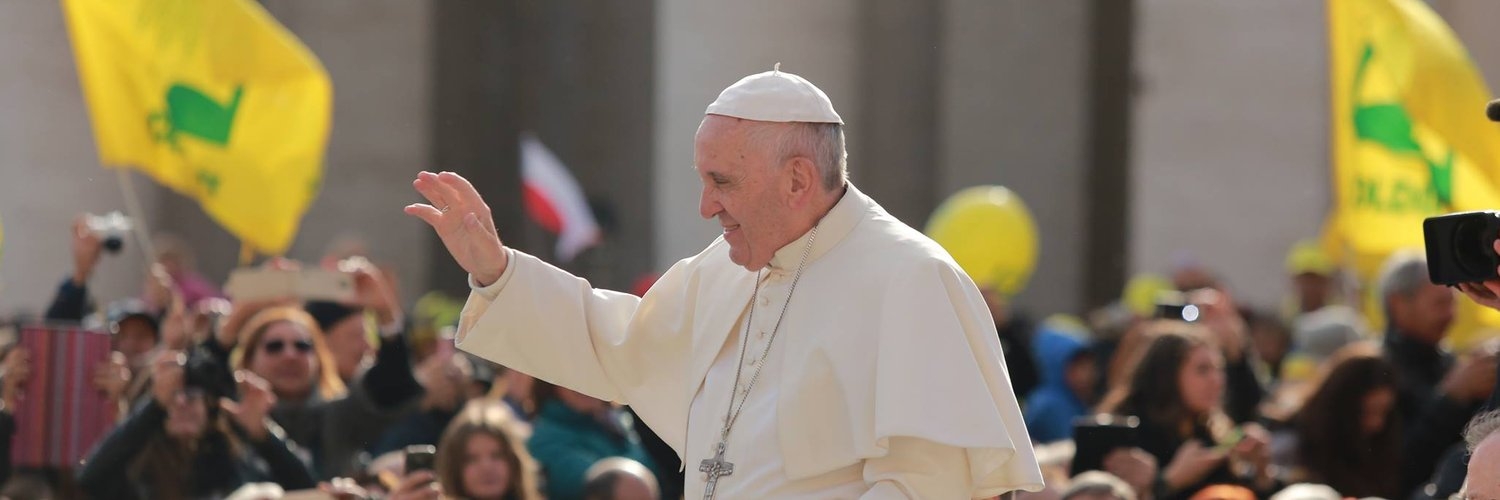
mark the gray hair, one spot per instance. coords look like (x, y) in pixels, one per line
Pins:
(1482, 427)
(823, 143)
(1403, 275)
(1098, 483)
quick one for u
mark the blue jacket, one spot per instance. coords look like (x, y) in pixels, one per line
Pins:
(1052, 406)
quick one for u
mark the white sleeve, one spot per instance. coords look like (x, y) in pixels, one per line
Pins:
(550, 324)
(918, 468)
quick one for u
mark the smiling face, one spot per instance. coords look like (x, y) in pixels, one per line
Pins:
(285, 358)
(744, 187)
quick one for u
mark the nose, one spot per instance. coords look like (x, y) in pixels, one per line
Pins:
(708, 205)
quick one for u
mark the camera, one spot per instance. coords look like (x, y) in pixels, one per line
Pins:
(111, 229)
(1461, 247)
(202, 371)
(1175, 306)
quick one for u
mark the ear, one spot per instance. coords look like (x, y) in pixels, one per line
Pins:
(803, 180)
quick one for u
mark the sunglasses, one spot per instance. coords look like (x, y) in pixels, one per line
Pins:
(274, 347)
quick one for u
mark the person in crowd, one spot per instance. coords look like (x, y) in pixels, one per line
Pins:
(345, 326)
(335, 422)
(1016, 332)
(1319, 334)
(15, 369)
(1438, 392)
(1313, 279)
(620, 478)
(447, 375)
(176, 260)
(482, 456)
(1221, 317)
(134, 326)
(571, 432)
(191, 440)
(1098, 485)
(1176, 392)
(1070, 376)
(1348, 433)
(515, 389)
(1271, 342)
(1308, 491)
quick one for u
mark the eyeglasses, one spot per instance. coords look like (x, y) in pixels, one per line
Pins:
(274, 347)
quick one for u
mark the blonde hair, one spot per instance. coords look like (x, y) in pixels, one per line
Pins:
(491, 418)
(329, 386)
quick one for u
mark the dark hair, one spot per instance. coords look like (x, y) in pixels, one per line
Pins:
(1154, 392)
(496, 420)
(174, 469)
(1332, 448)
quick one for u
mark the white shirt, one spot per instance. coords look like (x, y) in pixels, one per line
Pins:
(886, 380)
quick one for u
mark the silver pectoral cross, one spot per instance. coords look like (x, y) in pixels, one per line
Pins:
(715, 468)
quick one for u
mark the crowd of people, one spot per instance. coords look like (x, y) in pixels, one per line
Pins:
(1304, 402)
(256, 399)
(250, 399)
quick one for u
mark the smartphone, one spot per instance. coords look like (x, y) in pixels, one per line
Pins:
(306, 284)
(307, 495)
(1095, 436)
(1234, 438)
(420, 457)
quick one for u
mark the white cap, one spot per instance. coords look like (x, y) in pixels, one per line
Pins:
(775, 96)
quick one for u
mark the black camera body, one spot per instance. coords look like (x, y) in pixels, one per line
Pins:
(1461, 247)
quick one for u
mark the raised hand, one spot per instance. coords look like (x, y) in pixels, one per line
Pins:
(256, 400)
(168, 377)
(372, 289)
(86, 249)
(112, 376)
(419, 485)
(462, 220)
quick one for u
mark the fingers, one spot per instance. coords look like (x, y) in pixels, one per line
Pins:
(229, 406)
(417, 480)
(427, 213)
(428, 185)
(459, 189)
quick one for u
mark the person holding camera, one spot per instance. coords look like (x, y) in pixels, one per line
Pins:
(1438, 392)
(191, 439)
(1176, 391)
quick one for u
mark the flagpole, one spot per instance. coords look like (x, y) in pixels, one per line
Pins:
(137, 216)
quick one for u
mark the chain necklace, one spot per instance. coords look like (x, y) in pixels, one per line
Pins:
(718, 467)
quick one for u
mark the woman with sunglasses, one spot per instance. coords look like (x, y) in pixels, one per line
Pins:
(189, 440)
(284, 345)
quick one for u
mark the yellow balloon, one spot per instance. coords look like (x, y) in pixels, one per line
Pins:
(991, 234)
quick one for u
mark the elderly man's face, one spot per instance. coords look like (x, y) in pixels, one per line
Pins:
(1484, 471)
(743, 189)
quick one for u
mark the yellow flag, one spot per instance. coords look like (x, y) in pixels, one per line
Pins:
(212, 98)
(1410, 139)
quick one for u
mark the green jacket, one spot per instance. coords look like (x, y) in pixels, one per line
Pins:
(566, 443)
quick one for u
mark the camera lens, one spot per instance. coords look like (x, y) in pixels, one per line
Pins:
(113, 244)
(1471, 248)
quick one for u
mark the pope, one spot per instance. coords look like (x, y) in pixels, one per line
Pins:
(818, 348)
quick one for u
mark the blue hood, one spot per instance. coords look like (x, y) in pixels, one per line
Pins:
(1053, 349)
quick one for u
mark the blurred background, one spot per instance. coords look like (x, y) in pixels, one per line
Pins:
(1142, 134)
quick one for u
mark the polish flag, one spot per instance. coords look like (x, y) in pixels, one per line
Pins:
(554, 200)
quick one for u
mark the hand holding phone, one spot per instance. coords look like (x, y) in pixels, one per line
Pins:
(420, 458)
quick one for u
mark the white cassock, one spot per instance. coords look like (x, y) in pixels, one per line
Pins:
(885, 381)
